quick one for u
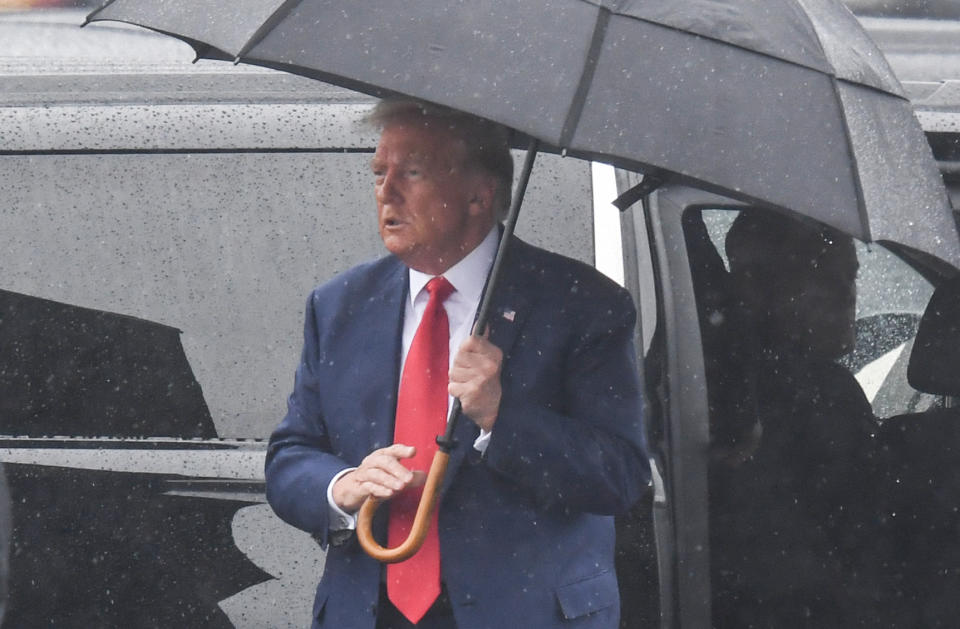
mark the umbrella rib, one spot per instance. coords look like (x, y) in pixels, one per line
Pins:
(834, 85)
(861, 200)
(278, 14)
(87, 20)
(586, 77)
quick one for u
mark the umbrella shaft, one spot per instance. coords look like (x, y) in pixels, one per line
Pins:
(446, 442)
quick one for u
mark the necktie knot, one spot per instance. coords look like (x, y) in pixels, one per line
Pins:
(439, 289)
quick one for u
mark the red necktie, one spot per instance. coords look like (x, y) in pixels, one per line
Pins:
(413, 585)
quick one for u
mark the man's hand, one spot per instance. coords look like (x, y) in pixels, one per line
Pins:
(475, 379)
(380, 474)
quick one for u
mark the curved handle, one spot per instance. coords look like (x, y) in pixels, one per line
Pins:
(421, 521)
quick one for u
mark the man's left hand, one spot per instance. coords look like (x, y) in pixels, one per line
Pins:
(475, 379)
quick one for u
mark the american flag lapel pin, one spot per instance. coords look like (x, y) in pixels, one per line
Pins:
(509, 315)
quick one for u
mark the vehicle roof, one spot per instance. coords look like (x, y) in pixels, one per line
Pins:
(48, 58)
(146, 91)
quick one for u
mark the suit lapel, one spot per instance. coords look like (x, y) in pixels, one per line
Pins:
(380, 323)
(513, 298)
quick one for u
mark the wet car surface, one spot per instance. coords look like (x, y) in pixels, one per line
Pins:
(163, 223)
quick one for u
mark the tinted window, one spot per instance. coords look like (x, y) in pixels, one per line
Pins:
(814, 425)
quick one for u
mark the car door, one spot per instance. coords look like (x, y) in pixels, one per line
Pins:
(686, 229)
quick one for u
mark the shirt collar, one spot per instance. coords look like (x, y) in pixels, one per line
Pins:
(468, 275)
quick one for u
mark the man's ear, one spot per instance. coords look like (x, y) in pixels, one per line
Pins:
(483, 192)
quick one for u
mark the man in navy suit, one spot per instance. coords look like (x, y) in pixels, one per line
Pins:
(553, 446)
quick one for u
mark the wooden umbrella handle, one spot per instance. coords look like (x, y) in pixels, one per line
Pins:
(421, 521)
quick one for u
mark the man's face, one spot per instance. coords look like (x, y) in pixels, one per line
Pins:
(823, 294)
(431, 210)
(808, 295)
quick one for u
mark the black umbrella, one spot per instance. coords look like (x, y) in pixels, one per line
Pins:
(781, 102)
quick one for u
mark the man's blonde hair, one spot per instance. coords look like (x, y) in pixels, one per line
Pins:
(487, 143)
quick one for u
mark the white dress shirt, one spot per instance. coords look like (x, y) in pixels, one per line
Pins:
(467, 277)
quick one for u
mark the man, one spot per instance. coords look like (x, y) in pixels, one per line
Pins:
(803, 497)
(551, 443)
(796, 283)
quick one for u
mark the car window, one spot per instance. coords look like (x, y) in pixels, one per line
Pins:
(890, 299)
(809, 400)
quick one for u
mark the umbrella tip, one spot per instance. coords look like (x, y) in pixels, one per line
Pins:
(236, 60)
(563, 152)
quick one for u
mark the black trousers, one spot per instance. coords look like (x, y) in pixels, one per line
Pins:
(439, 616)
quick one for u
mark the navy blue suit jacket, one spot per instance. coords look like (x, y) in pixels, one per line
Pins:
(526, 530)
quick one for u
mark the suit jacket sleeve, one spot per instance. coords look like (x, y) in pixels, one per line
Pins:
(299, 463)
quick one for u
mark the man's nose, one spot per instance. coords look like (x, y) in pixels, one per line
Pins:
(386, 189)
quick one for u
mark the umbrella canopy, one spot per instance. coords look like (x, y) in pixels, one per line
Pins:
(782, 102)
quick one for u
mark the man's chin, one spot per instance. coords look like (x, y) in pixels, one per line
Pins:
(401, 248)
(394, 242)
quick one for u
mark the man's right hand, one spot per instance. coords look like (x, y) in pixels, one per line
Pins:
(380, 474)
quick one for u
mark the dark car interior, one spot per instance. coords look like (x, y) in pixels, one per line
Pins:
(821, 510)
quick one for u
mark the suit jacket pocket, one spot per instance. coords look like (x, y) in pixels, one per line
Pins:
(588, 595)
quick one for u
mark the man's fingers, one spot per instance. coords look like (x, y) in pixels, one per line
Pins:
(462, 374)
(479, 345)
(397, 450)
(380, 474)
(377, 476)
(386, 462)
(419, 479)
(378, 491)
(475, 380)
(387, 491)
(478, 353)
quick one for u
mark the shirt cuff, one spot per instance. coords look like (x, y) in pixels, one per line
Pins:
(339, 519)
(481, 443)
